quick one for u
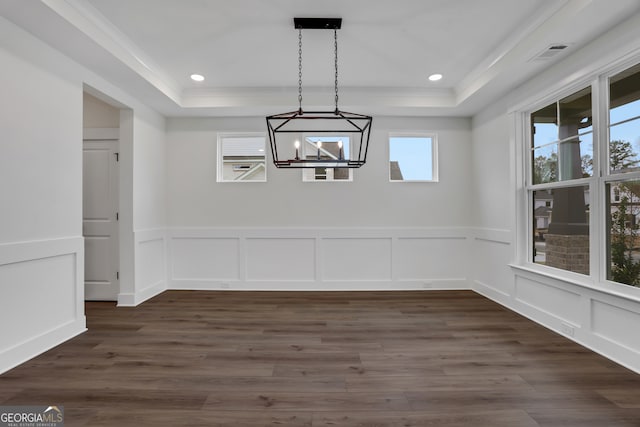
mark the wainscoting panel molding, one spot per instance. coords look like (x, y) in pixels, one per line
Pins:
(46, 276)
(556, 301)
(607, 324)
(273, 259)
(318, 258)
(150, 252)
(411, 264)
(356, 259)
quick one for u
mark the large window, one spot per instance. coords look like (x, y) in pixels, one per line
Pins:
(241, 157)
(561, 154)
(622, 190)
(584, 180)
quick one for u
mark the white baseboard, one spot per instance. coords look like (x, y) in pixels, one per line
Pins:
(436, 284)
(35, 346)
(133, 300)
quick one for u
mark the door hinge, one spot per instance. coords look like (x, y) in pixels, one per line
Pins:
(117, 156)
(117, 275)
(117, 216)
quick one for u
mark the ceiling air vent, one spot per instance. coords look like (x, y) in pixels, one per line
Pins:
(550, 51)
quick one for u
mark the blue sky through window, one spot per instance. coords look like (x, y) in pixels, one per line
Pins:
(629, 131)
(546, 133)
(414, 156)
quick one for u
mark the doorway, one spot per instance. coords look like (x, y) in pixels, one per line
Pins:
(100, 213)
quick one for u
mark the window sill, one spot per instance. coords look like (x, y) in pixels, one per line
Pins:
(630, 293)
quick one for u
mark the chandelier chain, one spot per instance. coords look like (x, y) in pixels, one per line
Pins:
(335, 39)
(300, 69)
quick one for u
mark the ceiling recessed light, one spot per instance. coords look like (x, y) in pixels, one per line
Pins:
(197, 77)
(435, 77)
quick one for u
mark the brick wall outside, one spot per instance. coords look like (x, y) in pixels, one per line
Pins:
(568, 252)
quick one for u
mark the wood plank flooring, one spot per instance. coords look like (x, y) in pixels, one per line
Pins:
(434, 358)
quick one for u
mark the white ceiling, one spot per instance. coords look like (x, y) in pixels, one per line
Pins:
(247, 49)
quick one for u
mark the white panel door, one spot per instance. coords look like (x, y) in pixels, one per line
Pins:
(99, 219)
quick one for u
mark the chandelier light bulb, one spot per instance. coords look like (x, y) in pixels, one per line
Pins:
(297, 145)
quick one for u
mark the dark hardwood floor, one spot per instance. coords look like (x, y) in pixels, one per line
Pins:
(434, 358)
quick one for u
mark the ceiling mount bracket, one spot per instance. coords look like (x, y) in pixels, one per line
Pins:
(317, 23)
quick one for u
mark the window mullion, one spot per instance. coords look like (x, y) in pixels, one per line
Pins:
(598, 217)
(578, 182)
(521, 175)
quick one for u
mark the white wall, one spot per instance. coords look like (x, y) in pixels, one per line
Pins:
(490, 164)
(492, 200)
(41, 126)
(197, 200)
(41, 245)
(149, 180)
(149, 208)
(142, 205)
(590, 313)
(288, 234)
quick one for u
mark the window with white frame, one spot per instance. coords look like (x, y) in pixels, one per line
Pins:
(561, 150)
(326, 147)
(413, 157)
(583, 180)
(241, 157)
(622, 189)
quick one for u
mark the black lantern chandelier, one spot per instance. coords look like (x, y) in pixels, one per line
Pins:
(318, 139)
